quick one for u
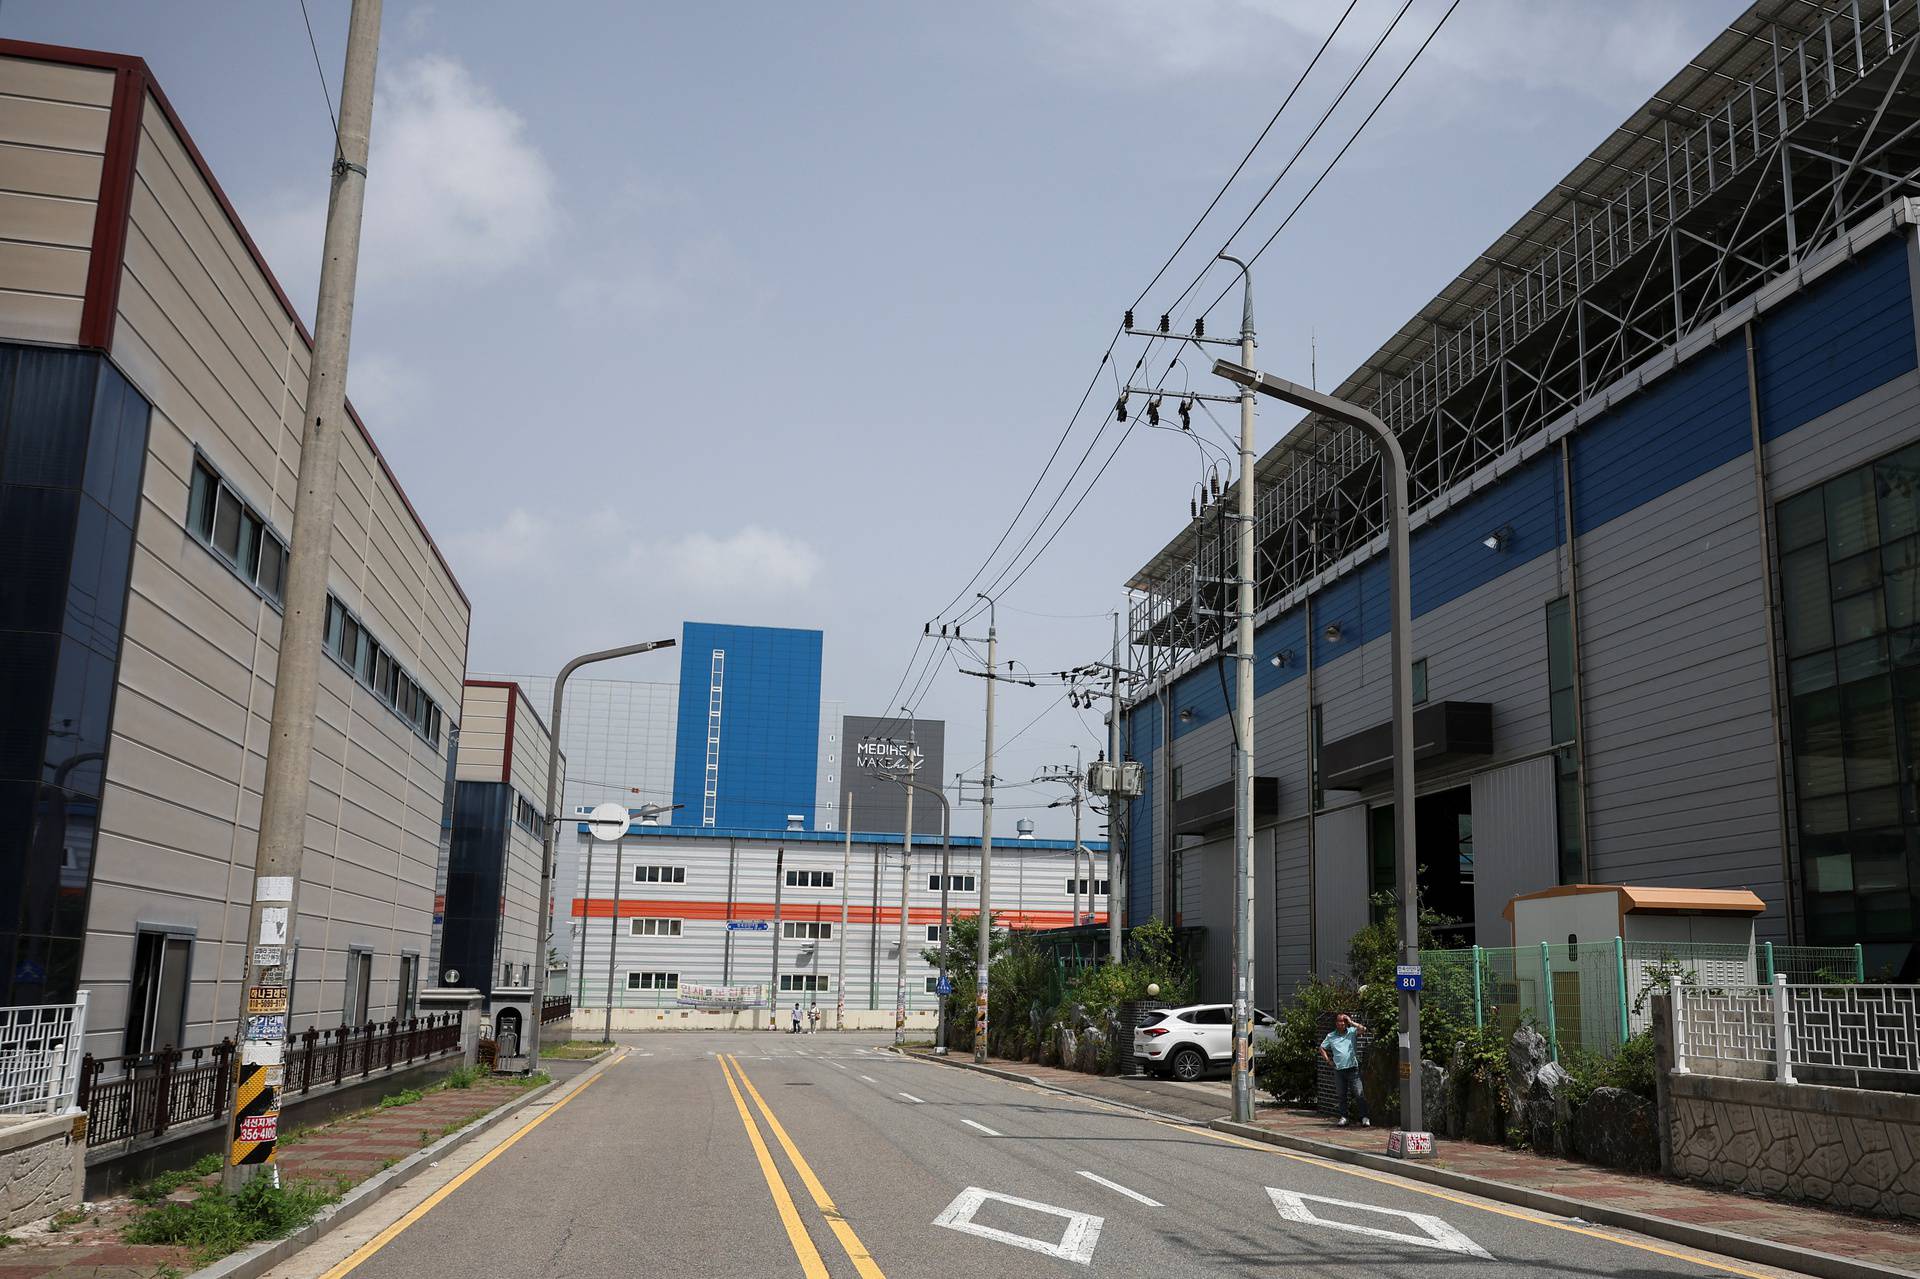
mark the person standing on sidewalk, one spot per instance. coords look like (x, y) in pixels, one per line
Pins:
(796, 1018)
(1340, 1049)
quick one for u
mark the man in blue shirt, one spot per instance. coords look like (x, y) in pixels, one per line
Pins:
(1340, 1049)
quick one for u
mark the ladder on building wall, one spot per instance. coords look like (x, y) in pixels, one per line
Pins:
(710, 800)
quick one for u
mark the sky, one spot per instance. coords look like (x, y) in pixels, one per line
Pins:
(773, 312)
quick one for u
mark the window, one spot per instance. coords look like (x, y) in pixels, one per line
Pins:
(933, 934)
(659, 874)
(1564, 722)
(408, 998)
(1849, 570)
(1179, 783)
(1080, 886)
(525, 815)
(653, 928)
(955, 883)
(220, 519)
(358, 1009)
(931, 982)
(350, 644)
(809, 879)
(808, 929)
(1420, 681)
(1314, 719)
(803, 982)
(157, 1000)
(653, 981)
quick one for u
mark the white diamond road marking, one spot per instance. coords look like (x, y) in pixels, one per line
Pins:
(1434, 1233)
(1120, 1189)
(982, 1127)
(915, 1100)
(1076, 1242)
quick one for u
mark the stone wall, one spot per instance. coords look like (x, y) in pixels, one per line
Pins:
(42, 1161)
(1846, 1147)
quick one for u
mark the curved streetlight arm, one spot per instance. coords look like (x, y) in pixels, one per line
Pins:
(553, 827)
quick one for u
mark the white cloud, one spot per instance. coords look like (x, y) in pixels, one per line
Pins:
(648, 285)
(455, 189)
(751, 562)
(387, 391)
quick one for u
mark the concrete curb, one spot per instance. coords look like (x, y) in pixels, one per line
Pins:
(1826, 1265)
(1724, 1243)
(265, 1255)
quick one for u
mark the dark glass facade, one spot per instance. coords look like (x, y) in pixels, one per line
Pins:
(1850, 608)
(73, 447)
(476, 877)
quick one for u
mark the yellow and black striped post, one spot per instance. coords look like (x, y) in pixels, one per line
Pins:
(256, 1117)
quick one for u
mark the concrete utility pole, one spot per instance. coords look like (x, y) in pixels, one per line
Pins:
(1400, 593)
(548, 846)
(264, 1011)
(773, 982)
(906, 869)
(1243, 868)
(1079, 796)
(986, 850)
(1116, 896)
(846, 877)
(946, 876)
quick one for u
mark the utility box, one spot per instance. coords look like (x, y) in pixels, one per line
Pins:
(513, 1012)
(1123, 779)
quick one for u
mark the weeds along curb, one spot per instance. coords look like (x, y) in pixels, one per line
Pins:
(268, 1253)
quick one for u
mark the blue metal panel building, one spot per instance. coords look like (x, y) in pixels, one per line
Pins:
(746, 750)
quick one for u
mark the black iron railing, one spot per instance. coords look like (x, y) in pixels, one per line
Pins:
(556, 1008)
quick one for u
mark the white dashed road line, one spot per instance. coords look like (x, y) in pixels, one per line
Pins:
(870, 1079)
(982, 1127)
(1120, 1189)
(915, 1100)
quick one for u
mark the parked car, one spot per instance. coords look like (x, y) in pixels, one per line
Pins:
(1186, 1043)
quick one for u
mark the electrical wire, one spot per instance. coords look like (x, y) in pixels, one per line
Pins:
(333, 118)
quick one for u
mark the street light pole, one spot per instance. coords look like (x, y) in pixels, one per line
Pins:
(1243, 865)
(1400, 590)
(985, 953)
(906, 871)
(846, 880)
(946, 876)
(613, 935)
(553, 832)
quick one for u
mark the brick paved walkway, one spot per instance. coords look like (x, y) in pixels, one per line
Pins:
(335, 1155)
(1877, 1241)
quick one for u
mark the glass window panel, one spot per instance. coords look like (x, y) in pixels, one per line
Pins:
(1868, 728)
(1420, 682)
(248, 561)
(1897, 488)
(1863, 660)
(1858, 617)
(1887, 916)
(273, 566)
(1559, 645)
(1803, 602)
(1802, 520)
(1819, 759)
(1856, 574)
(1833, 921)
(369, 652)
(1874, 809)
(1852, 521)
(47, 429)
(1810, 674)
(1903, 597)
(1880, 864)
(200, 502)
(226, 525)
(1832, 872)
(36, 542)
(1560, 714)
(1824, 816)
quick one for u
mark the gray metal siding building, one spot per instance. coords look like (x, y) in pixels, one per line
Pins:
(1665, 570)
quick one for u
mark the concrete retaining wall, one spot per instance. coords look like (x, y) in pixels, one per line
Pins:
(587, 1021)
(1846, 1147)
(42, 1166)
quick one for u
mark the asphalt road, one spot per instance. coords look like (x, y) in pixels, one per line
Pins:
(671, 1162)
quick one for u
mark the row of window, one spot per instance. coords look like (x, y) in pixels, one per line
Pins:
(955, 883)
(1080, 886)
(223, 522)
(809, 879)
(659, 874)
(804, 982)
(348, 640)
(653, 927)
(807, 929)
(653, 981)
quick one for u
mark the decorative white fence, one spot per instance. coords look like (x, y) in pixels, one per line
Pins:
(40, 1052)
(1859, 1028)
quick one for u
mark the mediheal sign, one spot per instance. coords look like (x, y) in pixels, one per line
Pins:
(873, 751)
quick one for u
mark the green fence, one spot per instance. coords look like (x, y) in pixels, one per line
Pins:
(1589, 996)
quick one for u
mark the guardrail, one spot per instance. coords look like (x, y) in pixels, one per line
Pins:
(1863, 1029)
(142, 1095)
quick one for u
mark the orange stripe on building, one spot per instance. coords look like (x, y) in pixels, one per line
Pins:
(821, 912)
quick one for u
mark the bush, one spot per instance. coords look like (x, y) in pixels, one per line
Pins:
(1287, 1067)
(463, 1077)
(1631, 1068)
(217, 1223)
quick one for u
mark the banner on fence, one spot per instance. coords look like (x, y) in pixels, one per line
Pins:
(722, 997)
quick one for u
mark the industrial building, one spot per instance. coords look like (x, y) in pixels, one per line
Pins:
(669, 908)
(151, 375)
(1665, 504)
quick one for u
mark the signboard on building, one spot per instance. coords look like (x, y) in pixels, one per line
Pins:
(721, 997)
(874, 749)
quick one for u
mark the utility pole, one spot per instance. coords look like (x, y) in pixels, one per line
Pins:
(773, 981)
(262, 1016)
(946, 877)
(1116, 894)
(984, 956)
(846, 877)
(906, 868)
(1243, 864)
(1079, 795)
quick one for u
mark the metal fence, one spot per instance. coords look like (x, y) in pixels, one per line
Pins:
(556, 1008)
(142, 1095)
(1590, 996)
(1784, 1027)
(40, 1056)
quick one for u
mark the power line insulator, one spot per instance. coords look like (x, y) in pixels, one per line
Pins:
(1186, 415)
(1193, 508)
(1200, 326)
(1153, 411)
(1164, 317)
(1129, 320)
(1120, 409)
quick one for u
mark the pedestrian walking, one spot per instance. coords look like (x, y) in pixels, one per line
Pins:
(813, 1019)
(1341, 1050)
(796, 1018)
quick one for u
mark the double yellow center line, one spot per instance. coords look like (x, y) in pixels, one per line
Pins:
(803, 1248)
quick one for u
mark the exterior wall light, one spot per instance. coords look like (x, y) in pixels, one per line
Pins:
(1186, 714)
(1332, 633)
(1283, 658)
(1498, 539)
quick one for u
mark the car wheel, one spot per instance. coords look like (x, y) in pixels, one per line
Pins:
(1187, 1065)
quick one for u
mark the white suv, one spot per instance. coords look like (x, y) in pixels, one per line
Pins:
(1185, 1043)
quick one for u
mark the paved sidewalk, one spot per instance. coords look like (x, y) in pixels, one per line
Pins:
(335, 1155)
(1875, 1241)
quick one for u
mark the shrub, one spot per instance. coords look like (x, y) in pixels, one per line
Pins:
(463, 1077)
(1631, 1068)
(217, 1223)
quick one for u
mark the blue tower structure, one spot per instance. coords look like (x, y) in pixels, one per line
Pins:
(746, 749)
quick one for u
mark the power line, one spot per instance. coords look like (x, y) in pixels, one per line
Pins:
(333, 118)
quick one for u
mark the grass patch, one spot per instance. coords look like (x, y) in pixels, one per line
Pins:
(463, 1077)
(217, 1223)
(405, 1098)
(576, 1049)
(66, 1218)
(533, 1080)
(7, 1241)
(168, 1182)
